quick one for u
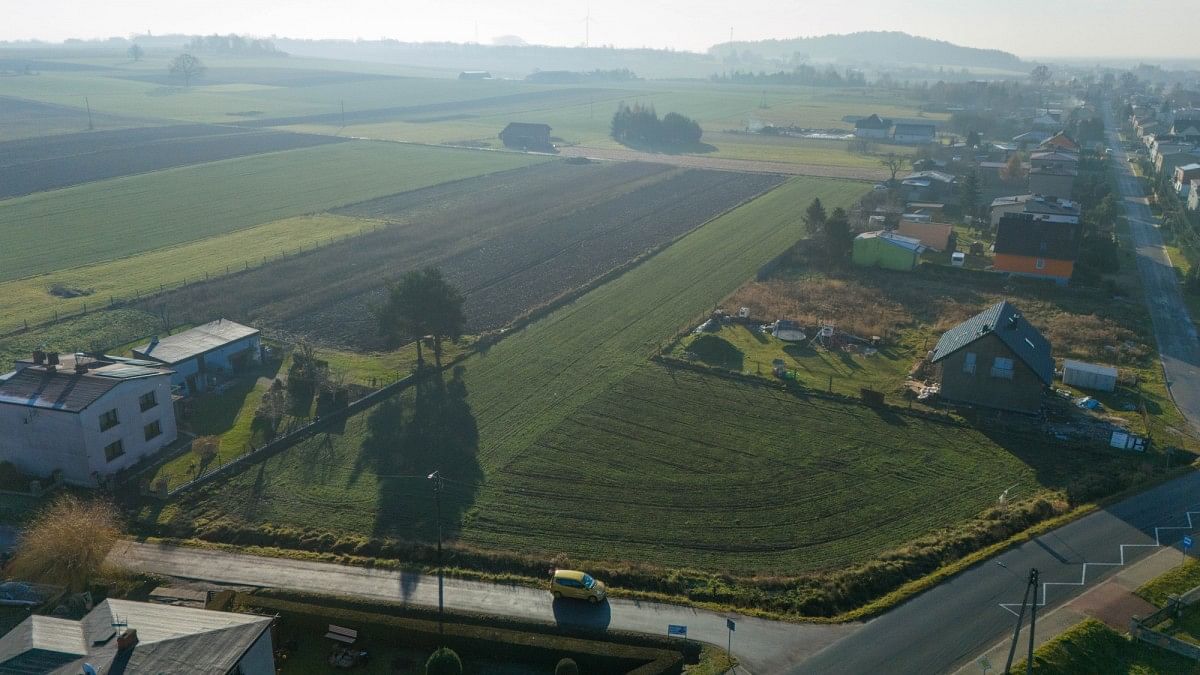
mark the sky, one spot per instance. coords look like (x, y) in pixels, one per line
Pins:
(1028, 28)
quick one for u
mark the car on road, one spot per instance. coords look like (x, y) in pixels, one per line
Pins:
(577, 585)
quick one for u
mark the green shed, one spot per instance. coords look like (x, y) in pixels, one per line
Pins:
(887, 250)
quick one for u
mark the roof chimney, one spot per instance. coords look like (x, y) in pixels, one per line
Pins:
(127, 640)
(39, 357)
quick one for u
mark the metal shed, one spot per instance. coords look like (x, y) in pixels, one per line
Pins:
(1089, 375)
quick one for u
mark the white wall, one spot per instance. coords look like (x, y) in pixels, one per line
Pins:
(260, 658)
(131, 429)
(39, 440)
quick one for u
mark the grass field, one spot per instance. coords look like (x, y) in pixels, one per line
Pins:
(747, 479)
(93, 332)
(520, 389)
(44, 232)
(1092, 648)
(29, 299)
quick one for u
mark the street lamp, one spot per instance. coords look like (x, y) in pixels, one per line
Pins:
(436, 478)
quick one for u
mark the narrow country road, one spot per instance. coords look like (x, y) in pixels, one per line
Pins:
(1173, 327)
(950, 625)
(763, 646)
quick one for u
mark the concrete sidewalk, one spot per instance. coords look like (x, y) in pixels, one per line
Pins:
(1111, 601)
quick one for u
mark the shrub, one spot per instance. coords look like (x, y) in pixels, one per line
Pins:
(67, 542)
(444, 662)
(566, 667)
(205, 448)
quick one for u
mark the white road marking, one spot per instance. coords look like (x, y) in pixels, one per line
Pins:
(1008, 606)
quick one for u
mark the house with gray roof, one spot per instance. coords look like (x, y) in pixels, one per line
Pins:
(205, 354)
(121, 637)
(995, 359)
(85, 416)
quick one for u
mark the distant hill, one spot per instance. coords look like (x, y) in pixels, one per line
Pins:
(875, 47)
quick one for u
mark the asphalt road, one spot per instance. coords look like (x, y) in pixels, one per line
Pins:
(948, 626)
(763, 646)
(1173, 328)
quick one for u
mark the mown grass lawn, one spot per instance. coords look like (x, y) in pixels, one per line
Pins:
(134, 214)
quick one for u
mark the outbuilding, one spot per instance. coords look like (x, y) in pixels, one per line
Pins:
(1089, 375)
(887, 250)
(527, 136)
(201, 355)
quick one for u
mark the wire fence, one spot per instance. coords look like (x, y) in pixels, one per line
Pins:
(93, 304)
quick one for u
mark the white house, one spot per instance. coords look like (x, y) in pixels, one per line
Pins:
(122, 636)
(200, 355)
(1193, 202)
(86, 417)
(914, 134)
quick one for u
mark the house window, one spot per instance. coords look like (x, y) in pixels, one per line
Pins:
(147, 401)
(1002, 368)
(1040, 263)
(969, 363)
(153, 430)
(113, 450)
(109, 420)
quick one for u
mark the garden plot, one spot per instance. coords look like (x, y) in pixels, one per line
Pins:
(511, 242)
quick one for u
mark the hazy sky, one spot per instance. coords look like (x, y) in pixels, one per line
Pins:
(1029, 28)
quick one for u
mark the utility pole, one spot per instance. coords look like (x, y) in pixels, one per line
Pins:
(436, 477)
(1032, 585)
(343, 113)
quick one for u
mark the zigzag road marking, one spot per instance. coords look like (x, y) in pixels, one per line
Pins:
(1083, 572)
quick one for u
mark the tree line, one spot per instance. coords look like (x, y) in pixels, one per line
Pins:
(801, 74)
(640, 125)
(576, 77)
(233, 44)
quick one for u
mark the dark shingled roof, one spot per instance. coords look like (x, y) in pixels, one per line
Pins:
(872, 122)
(1005, 322)
(66, 391)
(1022, 234)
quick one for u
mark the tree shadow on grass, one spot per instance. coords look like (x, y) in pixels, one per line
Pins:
(428, 428)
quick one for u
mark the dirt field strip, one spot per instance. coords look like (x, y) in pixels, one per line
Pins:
(719, 164)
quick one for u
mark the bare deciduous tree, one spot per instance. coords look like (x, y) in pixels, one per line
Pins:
(894, 163)
(186, 67)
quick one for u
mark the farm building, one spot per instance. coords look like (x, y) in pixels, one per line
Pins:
(1029, 247)
(86, 417)
(202, 355)
(933, 236)
(914, 134)
(872, 126)
(995, 359)
(123, 636)
(526, 136)
(474, 75)
(1089, 375)
(887, 250)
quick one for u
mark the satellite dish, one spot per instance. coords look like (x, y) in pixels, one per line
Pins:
(89, 669)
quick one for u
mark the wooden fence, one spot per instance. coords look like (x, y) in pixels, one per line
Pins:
(1143, 628)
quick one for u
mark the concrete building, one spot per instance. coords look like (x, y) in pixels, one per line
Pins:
(1089, 375)
(1043, 208)
(1052, 180)
(995, 359)
(205, 354)
(85, 417)
(1184, 175)
(121, 637)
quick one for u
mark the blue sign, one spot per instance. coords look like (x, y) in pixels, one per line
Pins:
(676, 631)
(1187, 542)
(730, 624)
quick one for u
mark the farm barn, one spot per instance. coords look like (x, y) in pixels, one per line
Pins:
(995, 359)
(195, 355)
(526, 136)
(1089, 375)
